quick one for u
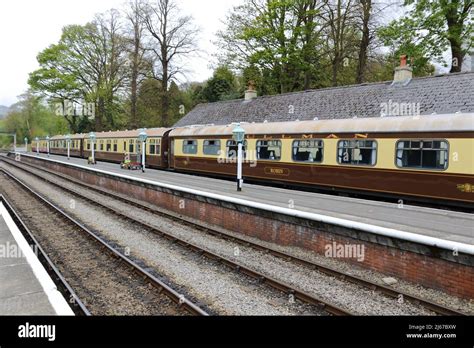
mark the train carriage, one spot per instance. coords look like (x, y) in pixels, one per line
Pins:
(58, 145)
(430, 158)
(114, 146)
(40, 145)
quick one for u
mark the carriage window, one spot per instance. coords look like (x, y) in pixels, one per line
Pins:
(426, 154)
(152, 146)
(269, 149)
(101, 145)
(190, 146)
(212, 147)
(357, 152)
(88, 145)
(232, 148)
(131, 146)
(108, 146)
(308, 151)
(115, 145)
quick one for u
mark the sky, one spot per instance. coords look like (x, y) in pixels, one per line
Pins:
(28, 26)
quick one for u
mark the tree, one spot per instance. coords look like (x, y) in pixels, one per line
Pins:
(31, 118)
(432, 26)
(139, 64)
(149, 103)
(173, 36)
(277, 37)
(342, 33)
(86, 64)
(221, 86)
(365, 7)
(56, 81)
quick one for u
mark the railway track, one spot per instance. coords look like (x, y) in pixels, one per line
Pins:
(138, 277)
(237, 267)
(435, 307)
(77, 306)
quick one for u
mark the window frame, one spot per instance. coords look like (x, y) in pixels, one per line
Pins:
(267, 159)
(213, 146)
(298, 161)
(108, 145)
(354, 164)
(184, 145)
(423, 168)
(151, 143)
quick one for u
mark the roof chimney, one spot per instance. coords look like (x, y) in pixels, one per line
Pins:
(403, 73)
(251, 93)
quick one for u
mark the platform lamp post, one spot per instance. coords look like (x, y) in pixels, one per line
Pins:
(47, 145)
(92, 139)
(142, 136)
(239, 135)
(26, 144)
(37, 146)
(68, 142)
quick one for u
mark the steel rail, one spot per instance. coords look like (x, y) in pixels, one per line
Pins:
(272, 282)
(77, 306)
(394, 293)
(176, 297)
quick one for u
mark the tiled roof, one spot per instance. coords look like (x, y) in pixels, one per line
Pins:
(437, 94)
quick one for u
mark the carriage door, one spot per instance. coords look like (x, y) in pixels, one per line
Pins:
(171, 153)
(139, 151)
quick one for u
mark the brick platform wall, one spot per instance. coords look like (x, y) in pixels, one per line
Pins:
(381, 253)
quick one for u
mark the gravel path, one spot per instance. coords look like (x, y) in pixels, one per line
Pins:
(355, 298)
(223, 292)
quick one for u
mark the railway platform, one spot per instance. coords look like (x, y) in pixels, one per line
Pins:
(25, 286)
(437, 223)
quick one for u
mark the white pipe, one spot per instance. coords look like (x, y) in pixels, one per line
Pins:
(143, 156)
(93, 155)
(388, 232)
(239, 167)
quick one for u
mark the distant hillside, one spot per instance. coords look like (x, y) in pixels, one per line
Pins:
(3, 111)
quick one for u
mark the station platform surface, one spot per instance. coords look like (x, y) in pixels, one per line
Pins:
(438, 223)
(25, 286)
